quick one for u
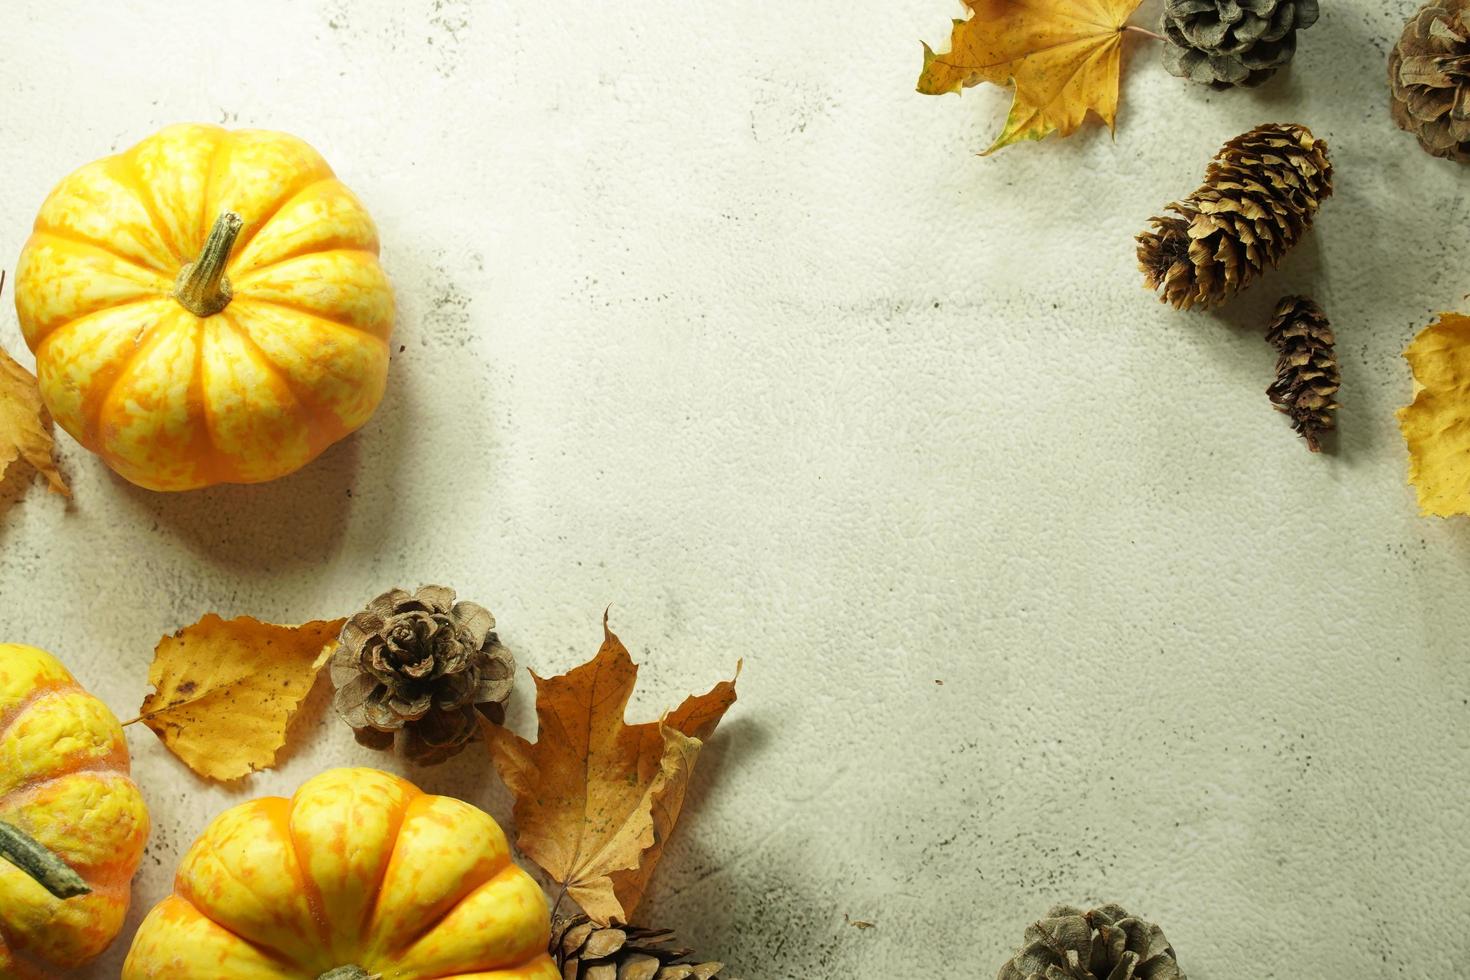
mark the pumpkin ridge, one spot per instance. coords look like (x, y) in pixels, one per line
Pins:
(468, 887)
(300, 309)
(108, 877)
(7, 718)
(306, 883)
(76, 238)
(40, 346)
(507, 869)
(228, 868)
(269, 952)
(320, 418)
(449, 910)
(211, 173)
(242, 243)
(80, 241)
(370, 909)
(144, 193)
(150, 337)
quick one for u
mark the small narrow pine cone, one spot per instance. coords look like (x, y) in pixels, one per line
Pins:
(1260, 194)
(415, 671)
(1104, 944)
(583, 951)
(1233, 42)
(1307, 373)
(1429, 74)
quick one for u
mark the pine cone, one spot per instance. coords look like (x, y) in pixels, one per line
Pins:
(585, 952)
(414, 670)
(1104, 944)
(1307, 375)
(1259, 196)
(1429, 72)
(1233, 42)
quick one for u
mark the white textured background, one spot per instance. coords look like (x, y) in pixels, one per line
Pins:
(706, 315)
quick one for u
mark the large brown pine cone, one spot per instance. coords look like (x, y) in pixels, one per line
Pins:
(1104, 944)
(417, 670)
(1429, 73)
(1259, 197)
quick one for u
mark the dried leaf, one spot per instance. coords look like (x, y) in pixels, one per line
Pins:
(1436, 425)
(24, 429)
(1064, 57)
(225, 690)
(597, 798)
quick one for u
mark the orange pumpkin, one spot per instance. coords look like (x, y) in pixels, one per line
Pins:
(206, 307)
(358, 875)
(72, 823)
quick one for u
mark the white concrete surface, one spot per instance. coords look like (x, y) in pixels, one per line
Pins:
(706, 315)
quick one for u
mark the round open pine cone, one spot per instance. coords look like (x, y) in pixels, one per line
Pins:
(415, 671)
(1260, 194)
(1429, 74)
(1104, 944)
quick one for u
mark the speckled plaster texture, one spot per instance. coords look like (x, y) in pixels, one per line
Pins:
(705, 315)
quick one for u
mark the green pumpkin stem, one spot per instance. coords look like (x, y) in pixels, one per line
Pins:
(348, 973)
(202, 287)
(32, 857)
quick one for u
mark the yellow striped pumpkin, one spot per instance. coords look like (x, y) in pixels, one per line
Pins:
(206, 307)
(359, 875)
(72, 823)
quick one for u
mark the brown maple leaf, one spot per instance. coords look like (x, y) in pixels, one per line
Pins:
(596, 798)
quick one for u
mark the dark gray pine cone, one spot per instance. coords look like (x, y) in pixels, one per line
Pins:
(1233, 42)
(415, 671)
(1104, 944)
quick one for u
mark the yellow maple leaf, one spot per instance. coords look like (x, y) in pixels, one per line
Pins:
(1436, 425)
(595, 797)
(1064, 57)
(225, 690)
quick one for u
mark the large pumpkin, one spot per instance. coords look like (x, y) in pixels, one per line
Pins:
(206, 307)
(358, 875)
(72, 824)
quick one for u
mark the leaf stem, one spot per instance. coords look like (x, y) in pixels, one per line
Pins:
(1134, 28)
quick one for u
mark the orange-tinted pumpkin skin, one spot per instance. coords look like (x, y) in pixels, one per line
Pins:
(173, 400)
(63, 782)
(358, 869)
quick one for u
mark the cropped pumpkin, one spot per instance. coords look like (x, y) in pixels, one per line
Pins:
(358, 875)
(72, 823)
(206, 307)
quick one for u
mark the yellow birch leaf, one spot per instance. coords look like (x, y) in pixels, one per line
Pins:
(595, 797)
(225, 690)
(24, 433)
(1063, 56)
(1436, 425)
